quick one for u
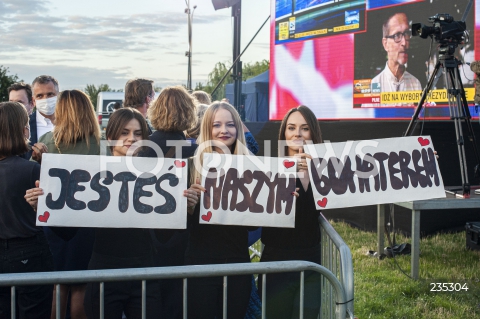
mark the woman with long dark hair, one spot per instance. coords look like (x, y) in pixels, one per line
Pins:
(24, 246)
(116, 248)
(302, 242)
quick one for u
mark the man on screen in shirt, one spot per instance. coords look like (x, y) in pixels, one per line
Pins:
(396, 42)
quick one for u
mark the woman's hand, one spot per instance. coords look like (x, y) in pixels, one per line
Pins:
(38, 149)
(301, 157)
(295, 193)
(31, 196)
(193, 195)
(192, 199)
(197, 187)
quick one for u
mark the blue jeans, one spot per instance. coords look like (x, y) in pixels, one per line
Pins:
(21, 255)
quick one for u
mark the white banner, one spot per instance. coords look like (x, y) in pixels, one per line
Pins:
(359, 173)
(248, 190)
(112, 191)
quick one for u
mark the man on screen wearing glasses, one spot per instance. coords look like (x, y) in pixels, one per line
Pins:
(396, 41)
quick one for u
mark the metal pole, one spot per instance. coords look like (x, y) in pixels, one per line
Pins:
(238, 58)
(237, 67)
(102, 300)
(184, 298)
(264, 295)
(57, 301)
(13, 302)
(144, 299)
(225, 297)
(302, 292)
(380, 228)
(189, 52)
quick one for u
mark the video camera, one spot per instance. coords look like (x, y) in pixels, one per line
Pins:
(445, 30)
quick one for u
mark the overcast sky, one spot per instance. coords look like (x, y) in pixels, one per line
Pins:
(107, 41)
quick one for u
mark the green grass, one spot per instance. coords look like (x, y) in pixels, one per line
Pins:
(382, 291)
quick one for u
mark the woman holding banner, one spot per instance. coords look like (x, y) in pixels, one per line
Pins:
(76, 131)
(302, 242)
(116, 248)
(221, 131)
(24, 246)
(123, 247)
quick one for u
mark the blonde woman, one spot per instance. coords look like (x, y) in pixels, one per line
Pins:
(76, 131)
(172, 113)
(202, 97)
(221, 129)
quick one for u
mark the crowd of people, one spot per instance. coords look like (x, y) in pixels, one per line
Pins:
(41, 119)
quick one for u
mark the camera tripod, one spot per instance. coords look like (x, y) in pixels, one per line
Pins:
(458, 107)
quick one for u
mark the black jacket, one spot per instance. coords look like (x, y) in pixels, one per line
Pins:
(33, 133)
(161, 137)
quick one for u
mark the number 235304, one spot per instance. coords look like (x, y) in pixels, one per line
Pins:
(448, 286)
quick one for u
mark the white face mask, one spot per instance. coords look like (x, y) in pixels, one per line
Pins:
(46, 106)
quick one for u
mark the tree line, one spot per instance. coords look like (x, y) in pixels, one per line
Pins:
(220, 69)
(249, 70)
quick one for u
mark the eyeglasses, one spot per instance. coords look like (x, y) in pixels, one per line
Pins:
(397, 37)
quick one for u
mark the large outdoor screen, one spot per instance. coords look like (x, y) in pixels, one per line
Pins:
(358, 60)
(307, 19)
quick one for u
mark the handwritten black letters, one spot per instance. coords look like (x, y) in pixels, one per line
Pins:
(70, 186)
(393, 170)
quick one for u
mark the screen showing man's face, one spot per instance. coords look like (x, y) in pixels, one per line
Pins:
(397, 51)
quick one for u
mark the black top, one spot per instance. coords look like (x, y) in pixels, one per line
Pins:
(170, 244)
(216, 241)
(306, 233)
(122, 242)
(17, 217)
(33, 128)
(32, 122)
(161, 137)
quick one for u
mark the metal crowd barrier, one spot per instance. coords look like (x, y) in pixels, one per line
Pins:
(185, 272)
(337, 258)
(336, 277)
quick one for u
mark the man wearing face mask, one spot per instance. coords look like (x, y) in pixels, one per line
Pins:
(45, 90)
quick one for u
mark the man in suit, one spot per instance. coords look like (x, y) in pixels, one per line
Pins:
(21, 92)
(45, 90)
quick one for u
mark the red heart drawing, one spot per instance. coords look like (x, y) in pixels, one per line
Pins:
(288, 163)
(179, 163)
(207, 217)
(44, 218)
(423, 141)
(323, 202)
